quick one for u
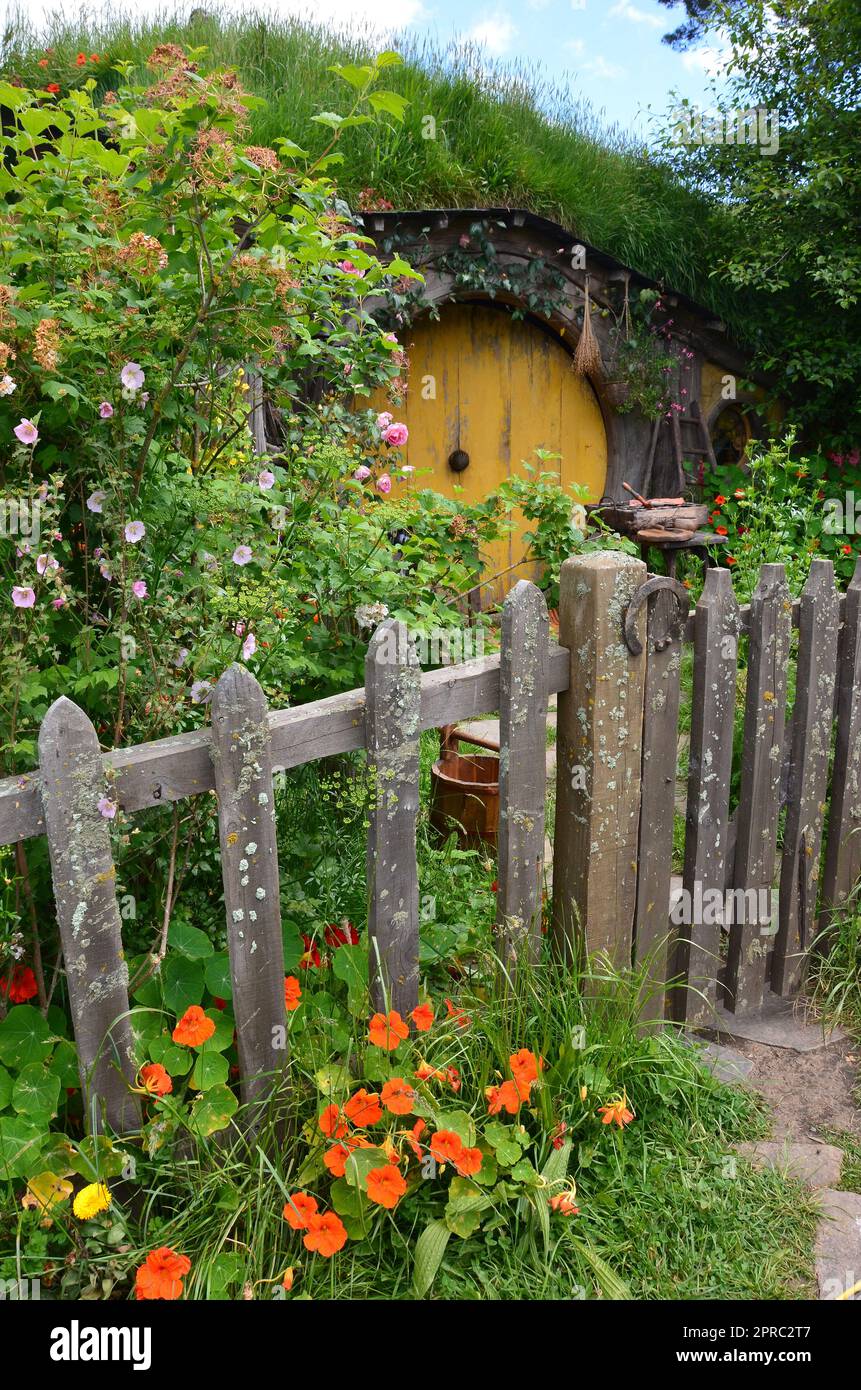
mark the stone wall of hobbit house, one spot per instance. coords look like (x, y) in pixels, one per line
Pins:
(537, 271)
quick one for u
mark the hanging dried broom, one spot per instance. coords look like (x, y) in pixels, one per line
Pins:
(587, 354)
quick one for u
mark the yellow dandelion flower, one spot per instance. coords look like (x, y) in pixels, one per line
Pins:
(91, 1199)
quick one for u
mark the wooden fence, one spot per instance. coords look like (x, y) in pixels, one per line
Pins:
(617, 672)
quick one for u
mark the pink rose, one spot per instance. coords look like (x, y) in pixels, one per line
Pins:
(396, 435)
(384, 419)
(361, 473)
(384, 483)
(106, 410)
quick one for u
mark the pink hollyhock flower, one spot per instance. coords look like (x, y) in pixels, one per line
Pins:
(134, 532)
(384, 483)
(180, 658)
(200, 691)
(45, 562)
(350, 269)
(408, 468)
(384, 419)
(59, 602)
(7, 385)
(249, 646)
(26, 432)
(361, 473)
(396, 435)
(104, 571)
(106, 410)
(95, 500)
(139, 588)
(132, 376)
(239, 627)
(463, 241)
(265, 480)
(23, 596)
(242, 555)
(106, 807)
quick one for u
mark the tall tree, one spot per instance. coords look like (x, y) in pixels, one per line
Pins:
(793, 197)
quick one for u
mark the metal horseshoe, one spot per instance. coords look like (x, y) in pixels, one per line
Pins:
(643, 594)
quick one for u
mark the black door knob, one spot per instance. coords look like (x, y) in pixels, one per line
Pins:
(458, 460)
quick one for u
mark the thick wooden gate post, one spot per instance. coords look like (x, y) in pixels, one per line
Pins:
(599, 736)
(392, 725)
(242, 761)
(97, 977)
(522, 770)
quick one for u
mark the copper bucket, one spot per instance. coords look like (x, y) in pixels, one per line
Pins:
(465, 791)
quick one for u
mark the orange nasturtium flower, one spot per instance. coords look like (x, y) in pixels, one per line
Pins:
(193, 1028)
(461, 1019)
(563, 1203)
(524, 1069)
(617, 1112)
(335, 1158)
(469, 1162)
(422, 1017)
(425, 1072)
(289, 1277)
(155, 1079)
(325, 1234)
(446, 1146)
(292, 992)
(388, 1032)
(504, 1097)
(299, 1209)
(386, 1187)
(363, 1108)
(332, 1123)
(413, 1136)
(398, 1096)
(161, 1274)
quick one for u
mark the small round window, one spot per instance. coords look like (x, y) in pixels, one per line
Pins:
(730, 433)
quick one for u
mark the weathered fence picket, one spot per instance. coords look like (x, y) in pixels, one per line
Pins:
(769, 634)
(393, 693)
(696, 954)
(77, 811)
(843, 850)
(242, 758)
(808, 775)
(523, 695)
(598, 749)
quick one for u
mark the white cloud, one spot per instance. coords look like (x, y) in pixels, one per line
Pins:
(625, 10)
(709, 60)
(576, 46)
(600, 68)
(495, 33)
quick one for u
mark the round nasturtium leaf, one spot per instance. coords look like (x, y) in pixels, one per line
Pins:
(176, 1060)
(223, 1035)
(183, 984)
(210, 1070)
(25, 1037)
(216, 974)
(5, 1088)
(190, 941)
(213, 1111)
(20, 1143)
(36, 1092)
(64, 1064)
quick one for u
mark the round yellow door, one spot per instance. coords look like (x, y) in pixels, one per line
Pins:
(497, 389)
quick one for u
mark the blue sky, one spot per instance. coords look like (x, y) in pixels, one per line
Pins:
(608, 51)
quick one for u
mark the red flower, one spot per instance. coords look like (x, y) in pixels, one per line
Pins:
(332, 1123)
(719, 501)
(363, 1108)
(299, 1210)
(81, 59)
(53, 87)
(326, 1234)
(155, 1079)
(292, 992)
(344, 935)
(461, 1019)
(721, 531)
(22, 985)
(504, 1097)
(311, 955)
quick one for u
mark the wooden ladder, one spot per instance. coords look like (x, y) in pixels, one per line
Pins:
(690, 442)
